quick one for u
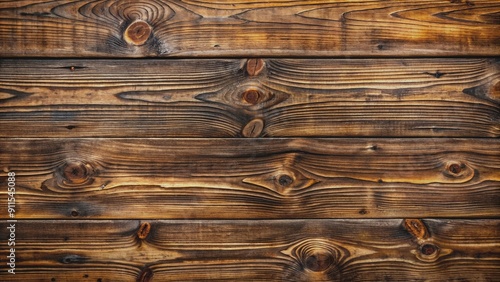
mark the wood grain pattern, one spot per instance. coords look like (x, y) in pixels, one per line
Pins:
(235, 98)
(154, 169)
(252, 178)
(260, 250)
(249, 28)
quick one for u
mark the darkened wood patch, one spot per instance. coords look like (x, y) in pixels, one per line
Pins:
(249, 28)
(255, 250)
(253, 178)
(254, 98)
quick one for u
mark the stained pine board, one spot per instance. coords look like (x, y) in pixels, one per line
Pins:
(252, 178)
(249, 28)
(260, 250)
(260, 97)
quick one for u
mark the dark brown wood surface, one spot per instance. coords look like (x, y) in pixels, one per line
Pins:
(254, 98)
(253, 178)
(249, 28)
(256, 250)
(247, 140)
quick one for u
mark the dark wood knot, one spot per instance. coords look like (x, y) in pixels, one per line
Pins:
(252, 96)
(253, 128)
(146, 275)
(255, 66)
(289, 179)
(455, 168)
(144, 230)
(318, 257)
(285, 180)
(416, 228)
(428, 249)
(428, 252)
(319, 261)
(76, 172)
(137, 33)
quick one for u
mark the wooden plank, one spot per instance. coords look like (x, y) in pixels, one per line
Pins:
(249, 28)
(252, 178)
(234, 98)
(260, 250)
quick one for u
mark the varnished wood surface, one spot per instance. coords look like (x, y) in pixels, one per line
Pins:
(252, 178)
(255, 98)
(249, 28)
(256, 250)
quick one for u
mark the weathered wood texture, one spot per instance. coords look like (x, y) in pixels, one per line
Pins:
(278, 250)
(249, 28)
(133, 170)
(234, 98)
(253, 178)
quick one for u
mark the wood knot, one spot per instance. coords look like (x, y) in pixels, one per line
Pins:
(455, 169)
(137, 33)
(428, 249)
(145, 275)
(253, 128)
(255, 97)
(416, 228)
(319, 261)
(76, 172)
(255, 66)
(288, 179)
(143, 231)
(285, 180)
(252, 96)
(429, 252)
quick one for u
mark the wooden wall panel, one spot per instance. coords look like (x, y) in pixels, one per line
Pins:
(260, 250)
(249, 28)
(248, 140)
(233, 98)
(253, 178)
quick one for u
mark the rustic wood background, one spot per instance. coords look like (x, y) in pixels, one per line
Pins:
(104, 28)
(248, 140)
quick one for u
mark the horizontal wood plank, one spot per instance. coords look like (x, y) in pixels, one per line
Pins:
(259, 97)
(248, 28)
(252, 178)
(260, 250)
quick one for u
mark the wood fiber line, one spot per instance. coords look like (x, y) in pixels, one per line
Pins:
(153, 28)
(252, 178)
(262, 250)
(254, 98)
